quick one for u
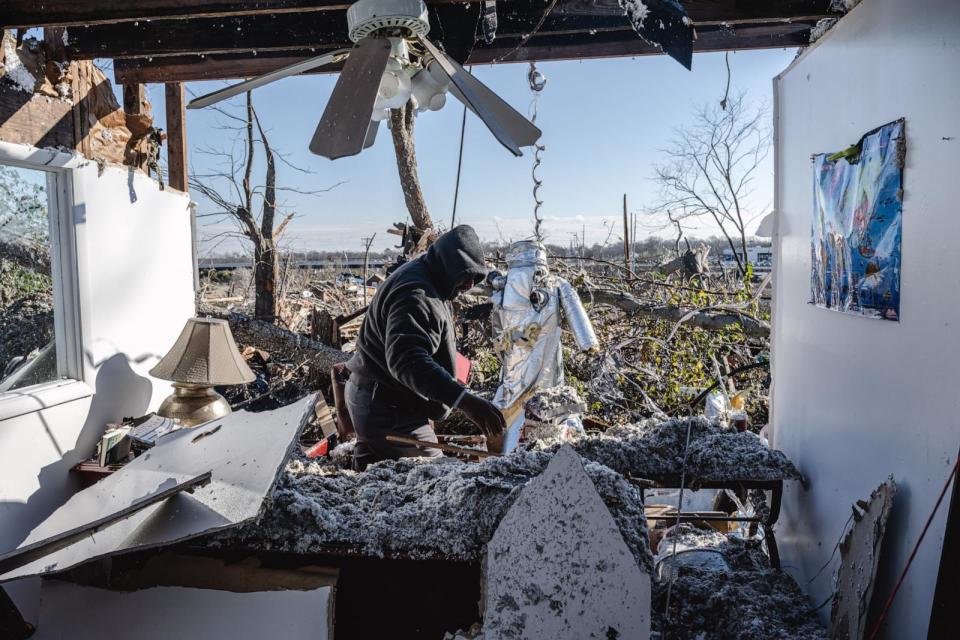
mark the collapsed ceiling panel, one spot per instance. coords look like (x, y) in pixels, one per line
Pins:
(243, 452)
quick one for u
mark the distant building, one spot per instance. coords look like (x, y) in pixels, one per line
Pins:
(761, 257)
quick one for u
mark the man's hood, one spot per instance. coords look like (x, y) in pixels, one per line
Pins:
(455, 253)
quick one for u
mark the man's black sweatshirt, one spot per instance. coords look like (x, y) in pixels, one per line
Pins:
(407, 343)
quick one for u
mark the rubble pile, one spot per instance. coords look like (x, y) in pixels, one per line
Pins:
(416, 508)
(287, 365)
(738, 597)
(655, 448)
(747, 600)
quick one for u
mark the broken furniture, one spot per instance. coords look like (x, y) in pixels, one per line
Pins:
(203, 356)
(739, 486)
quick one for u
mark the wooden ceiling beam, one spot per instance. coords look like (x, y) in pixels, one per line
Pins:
(327, 30)
(71, 13)
(540, 48)
(75, 13)
(614, 44)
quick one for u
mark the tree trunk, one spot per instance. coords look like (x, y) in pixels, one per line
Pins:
(401, 128)
(266, 258)
(265, 268)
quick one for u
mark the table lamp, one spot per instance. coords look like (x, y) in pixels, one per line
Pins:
(203, 356)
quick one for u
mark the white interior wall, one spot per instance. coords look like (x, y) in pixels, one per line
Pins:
(135, 292)
(856, 399)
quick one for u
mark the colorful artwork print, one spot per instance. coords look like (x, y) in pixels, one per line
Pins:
(857, 220)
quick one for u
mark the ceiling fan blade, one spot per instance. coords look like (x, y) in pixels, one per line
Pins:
(371, 137)
(506, 123)
(267, 78)
(343, 127)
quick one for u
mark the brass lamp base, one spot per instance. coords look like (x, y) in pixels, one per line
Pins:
(193, 404)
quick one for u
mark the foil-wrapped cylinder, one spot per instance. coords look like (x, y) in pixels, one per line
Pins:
(577, 318)
(526, 253)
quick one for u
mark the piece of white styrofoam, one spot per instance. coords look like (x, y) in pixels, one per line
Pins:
(557, 566)
(244, 453)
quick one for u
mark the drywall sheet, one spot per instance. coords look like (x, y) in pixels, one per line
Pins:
(244, 453)
(557, 565)
(855, 242)
(88, 613)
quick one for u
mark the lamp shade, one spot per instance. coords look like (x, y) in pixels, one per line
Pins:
(205, 354)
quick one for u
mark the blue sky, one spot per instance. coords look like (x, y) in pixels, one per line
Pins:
(604, 123)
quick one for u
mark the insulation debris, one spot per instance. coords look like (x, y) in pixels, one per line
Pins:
(654, 448)
(743, 599)
(13, 68)
(555, 402)
(416, 508)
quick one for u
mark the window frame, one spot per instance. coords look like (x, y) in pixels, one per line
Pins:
(69, 385)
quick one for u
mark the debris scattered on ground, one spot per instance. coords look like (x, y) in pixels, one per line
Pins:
(287, 365)
(417, 508)
(748, 601)
(654, 448)
(555, 402)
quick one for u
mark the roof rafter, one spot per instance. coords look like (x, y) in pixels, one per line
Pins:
(539, 48)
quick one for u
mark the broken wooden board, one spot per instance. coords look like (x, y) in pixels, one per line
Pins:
(244, 453)
(558, 567)
(859, 556)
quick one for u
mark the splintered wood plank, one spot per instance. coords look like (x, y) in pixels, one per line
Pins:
(343, 127)
(176, 137)
(34, 119)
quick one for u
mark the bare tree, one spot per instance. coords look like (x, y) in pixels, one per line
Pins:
(711, 167)
(230, 188)
(401, 127)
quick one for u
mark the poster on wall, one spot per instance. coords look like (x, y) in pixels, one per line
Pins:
(855, 240)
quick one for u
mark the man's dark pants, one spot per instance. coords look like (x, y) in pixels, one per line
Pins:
(374, 419)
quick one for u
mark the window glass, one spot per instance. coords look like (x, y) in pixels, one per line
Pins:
(28, 350)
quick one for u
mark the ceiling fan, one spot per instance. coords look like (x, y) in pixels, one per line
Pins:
(391, 62)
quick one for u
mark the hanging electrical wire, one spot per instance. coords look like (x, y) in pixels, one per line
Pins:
(537, 82)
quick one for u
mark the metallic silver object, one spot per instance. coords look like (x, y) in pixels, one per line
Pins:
(527, 336)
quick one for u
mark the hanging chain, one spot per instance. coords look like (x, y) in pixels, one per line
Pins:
(537, 82)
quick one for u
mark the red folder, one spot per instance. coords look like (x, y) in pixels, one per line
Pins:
(463, 368)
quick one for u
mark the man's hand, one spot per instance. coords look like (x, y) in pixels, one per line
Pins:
(484, 414)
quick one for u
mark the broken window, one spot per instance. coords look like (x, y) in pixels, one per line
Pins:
(28, 344)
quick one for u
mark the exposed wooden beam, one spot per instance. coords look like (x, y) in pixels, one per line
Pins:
(210, 35)
(176, 137)
(134, 95)
(543, 47)
(73, 13)
(626, 44)
(328, 29)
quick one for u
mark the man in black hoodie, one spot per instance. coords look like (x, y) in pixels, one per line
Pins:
(402, 373)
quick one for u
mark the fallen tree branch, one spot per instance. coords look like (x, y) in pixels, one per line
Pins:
(700, 319)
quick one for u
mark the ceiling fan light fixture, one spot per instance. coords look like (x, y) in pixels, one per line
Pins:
(429, 90)
(406, 17)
